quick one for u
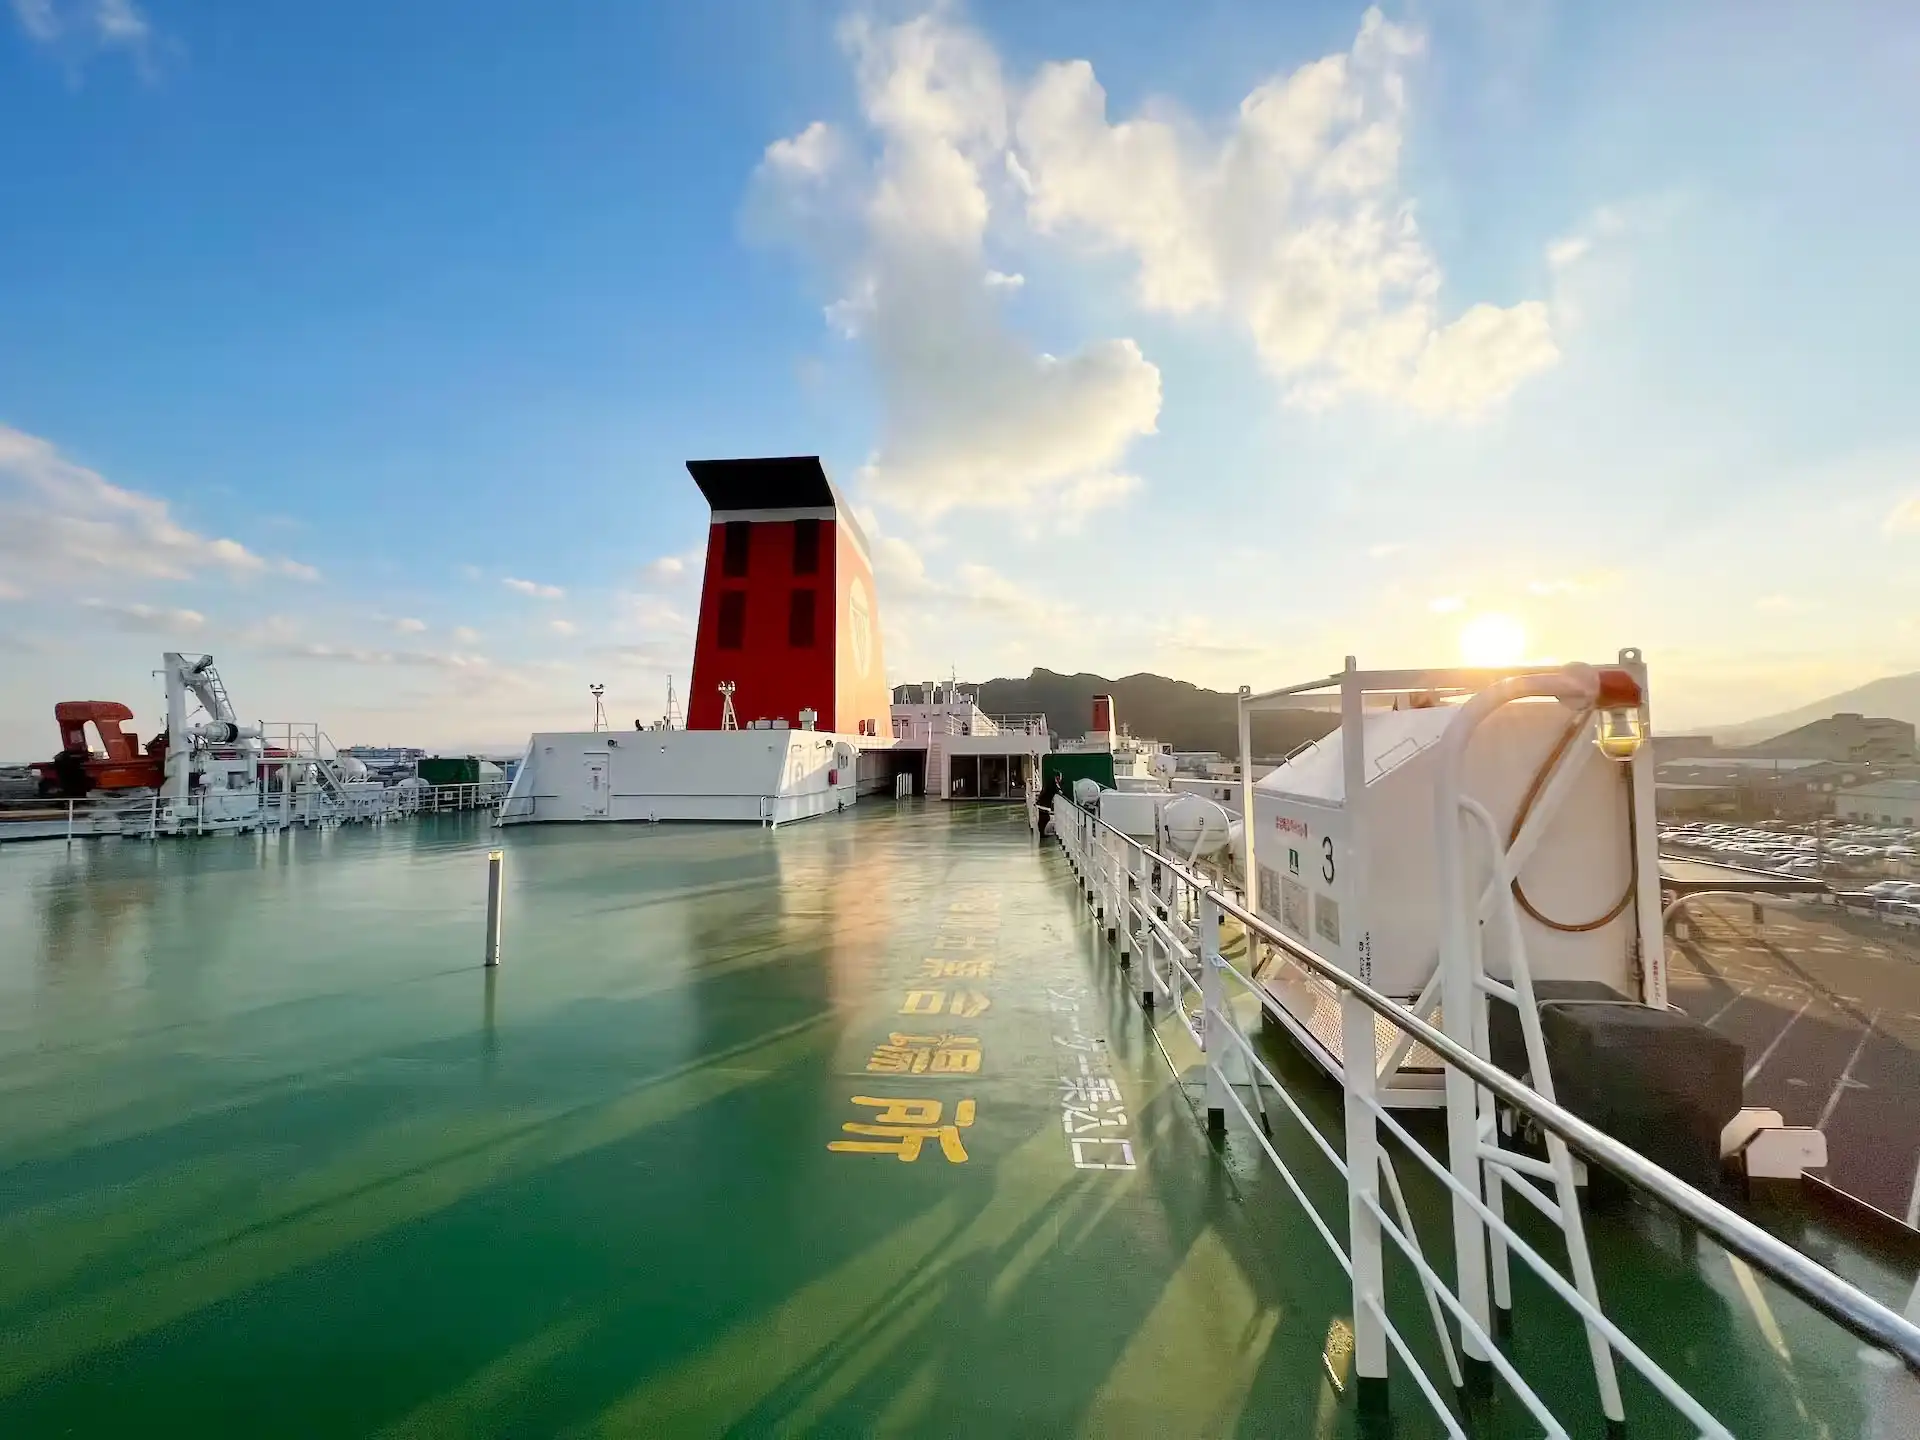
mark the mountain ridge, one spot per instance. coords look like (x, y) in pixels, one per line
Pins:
(1895, 697)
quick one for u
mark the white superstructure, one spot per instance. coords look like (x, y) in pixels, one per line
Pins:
(769, 775)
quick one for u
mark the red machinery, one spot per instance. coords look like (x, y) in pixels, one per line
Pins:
(123, 766)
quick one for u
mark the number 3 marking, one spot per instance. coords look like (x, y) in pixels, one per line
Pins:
(1326, 849)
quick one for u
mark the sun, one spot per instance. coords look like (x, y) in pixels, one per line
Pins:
(1493, 639)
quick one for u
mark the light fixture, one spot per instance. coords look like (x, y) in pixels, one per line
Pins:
(1619, 729)
(1618, 732)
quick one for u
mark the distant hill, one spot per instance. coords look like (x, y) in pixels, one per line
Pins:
(1183, 715)
(1895, 697)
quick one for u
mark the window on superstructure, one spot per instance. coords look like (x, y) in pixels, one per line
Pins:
(733, 619)
(733, 560)
(806, 547)
(800, 619)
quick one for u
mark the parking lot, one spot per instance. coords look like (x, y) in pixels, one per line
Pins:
(1834, 851)
(1827, 1007)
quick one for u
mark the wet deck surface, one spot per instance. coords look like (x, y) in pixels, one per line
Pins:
(1827, 1007)
(277, 1157)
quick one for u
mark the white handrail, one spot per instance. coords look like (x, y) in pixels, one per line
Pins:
(1094, 846)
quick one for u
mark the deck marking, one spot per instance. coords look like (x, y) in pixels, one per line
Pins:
(1913, 1200)
(1093, 1112)
(1846, 1075)
(936, 968)
(961, 1004)
(942, 1054)
(1774, 1044)
(904, 1125)
(1708, 1022)
(1757, 1301)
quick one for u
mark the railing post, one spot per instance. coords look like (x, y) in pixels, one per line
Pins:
(1129, 919)
(1213, 1014)
(1363, 1191)
(1149, 969)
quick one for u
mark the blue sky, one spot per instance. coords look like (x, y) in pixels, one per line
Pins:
(1219, 340)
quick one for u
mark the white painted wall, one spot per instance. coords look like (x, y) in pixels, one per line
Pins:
(746, 775)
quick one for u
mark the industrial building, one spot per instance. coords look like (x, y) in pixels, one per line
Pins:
(1882, 802)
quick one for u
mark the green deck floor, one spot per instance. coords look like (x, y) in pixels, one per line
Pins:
(277, 1157)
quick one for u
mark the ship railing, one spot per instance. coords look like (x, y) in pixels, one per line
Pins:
(468, 795)
(1168, 920)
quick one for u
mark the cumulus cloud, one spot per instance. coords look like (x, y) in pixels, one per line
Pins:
(665, 570)
(466, 635)
(407, 625)
(973, 414)
(533, 589)
(146, 619)
(1292, 222)
(59, 519)
(563, 627)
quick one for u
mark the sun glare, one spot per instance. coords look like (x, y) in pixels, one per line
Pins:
(1493, 639)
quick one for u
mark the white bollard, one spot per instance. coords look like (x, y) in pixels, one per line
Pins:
(496, 896)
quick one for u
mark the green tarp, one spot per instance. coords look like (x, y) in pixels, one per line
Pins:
(1077, 765)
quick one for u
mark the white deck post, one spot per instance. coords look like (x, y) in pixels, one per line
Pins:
(1129, 921)
(1458, 1001)
(1213, 1014)
(1645, 838)
(1363, 1190)
(1359, 1057)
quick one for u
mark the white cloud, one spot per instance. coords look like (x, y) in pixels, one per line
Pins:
(466, 635)
(146, 619)
(1387, 550)
(650, 612)
(119, 22)
(407, 625)
(360, 655)
(88, 24)
(973, 415)
(1293, 222)
(1447, 604)
(563, 627)
(814, 151)
(58, 518)
(10, 591)
(533, 589)
(1904, 518)
(1567, 251)
(665, 570)
(37, 18)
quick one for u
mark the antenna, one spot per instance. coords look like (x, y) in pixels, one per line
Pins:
(673, 715)
(728, 721)
(599, 706)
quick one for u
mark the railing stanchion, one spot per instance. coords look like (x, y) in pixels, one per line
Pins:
(1154, 945)
(1214, 1017)
(1363, 1196)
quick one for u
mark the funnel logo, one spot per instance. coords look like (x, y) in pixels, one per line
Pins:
(860, 626)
